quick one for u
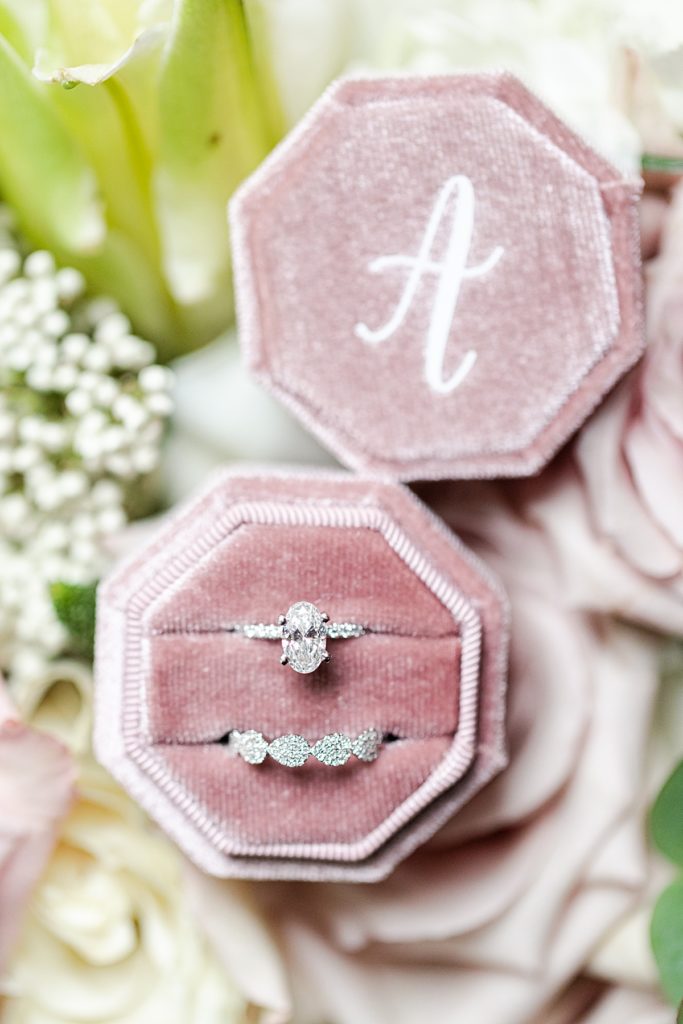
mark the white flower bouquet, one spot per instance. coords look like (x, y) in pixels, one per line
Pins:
(554, 896)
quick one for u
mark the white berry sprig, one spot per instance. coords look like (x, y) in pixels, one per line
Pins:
(82, 412)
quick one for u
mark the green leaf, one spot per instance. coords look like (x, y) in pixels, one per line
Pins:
(212, 132)
(666, 936)
(75, 607)
(655, 162)
(43, 173)
(12, 31)
(667, 817)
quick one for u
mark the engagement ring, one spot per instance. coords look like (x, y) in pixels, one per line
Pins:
(304, 632)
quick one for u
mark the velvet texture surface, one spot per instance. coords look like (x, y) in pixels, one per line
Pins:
(174, 677)
(437, 276)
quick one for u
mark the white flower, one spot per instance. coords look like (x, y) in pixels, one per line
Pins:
(108, 937)
(221, 414)
(82, 409)
(570, 52)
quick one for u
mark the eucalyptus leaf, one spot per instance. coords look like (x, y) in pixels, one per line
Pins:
(667, 818)
(666, 936)
(75, 608)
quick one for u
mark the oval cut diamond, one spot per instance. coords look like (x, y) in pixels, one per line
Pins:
(304, 637)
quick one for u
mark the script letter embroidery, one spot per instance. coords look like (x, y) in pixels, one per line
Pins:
(451, 272)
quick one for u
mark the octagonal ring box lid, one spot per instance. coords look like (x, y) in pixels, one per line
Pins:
(437, 276)
(175, 678)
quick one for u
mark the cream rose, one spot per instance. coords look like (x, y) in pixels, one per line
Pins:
(36, 788)
(108, 936)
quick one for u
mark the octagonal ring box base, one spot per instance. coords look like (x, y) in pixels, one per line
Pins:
(437, 276)
(174, 677)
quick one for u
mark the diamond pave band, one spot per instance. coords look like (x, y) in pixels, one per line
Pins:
(304, 632)
(293, 750)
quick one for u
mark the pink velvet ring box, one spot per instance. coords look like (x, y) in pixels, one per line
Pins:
(437, 276)
(174, 679)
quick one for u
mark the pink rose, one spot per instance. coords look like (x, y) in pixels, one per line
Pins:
(588, 1002)
(36, 788)
(494, 916)
(631, 454)
(611, 505)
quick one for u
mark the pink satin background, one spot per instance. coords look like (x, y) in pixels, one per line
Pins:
(554, 324)
(172, 681)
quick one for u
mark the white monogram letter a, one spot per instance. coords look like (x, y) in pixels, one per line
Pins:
(451, 272)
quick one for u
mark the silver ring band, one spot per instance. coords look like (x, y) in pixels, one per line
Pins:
(304, 632)
(293, 750)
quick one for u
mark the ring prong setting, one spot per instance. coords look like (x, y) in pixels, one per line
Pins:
(303, 630)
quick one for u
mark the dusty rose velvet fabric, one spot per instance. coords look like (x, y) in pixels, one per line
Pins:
(527, 265)
(173, 679)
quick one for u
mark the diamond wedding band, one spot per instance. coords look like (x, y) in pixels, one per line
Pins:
(293, 750)
(304, 632)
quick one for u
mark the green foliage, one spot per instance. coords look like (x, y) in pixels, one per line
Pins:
(75, 608)
(665, 164)
(666, 928)
(666, 935)
(667, 817)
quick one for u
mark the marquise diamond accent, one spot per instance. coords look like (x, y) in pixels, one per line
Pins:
(292, 751)
(334, 750)
(366, 746)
